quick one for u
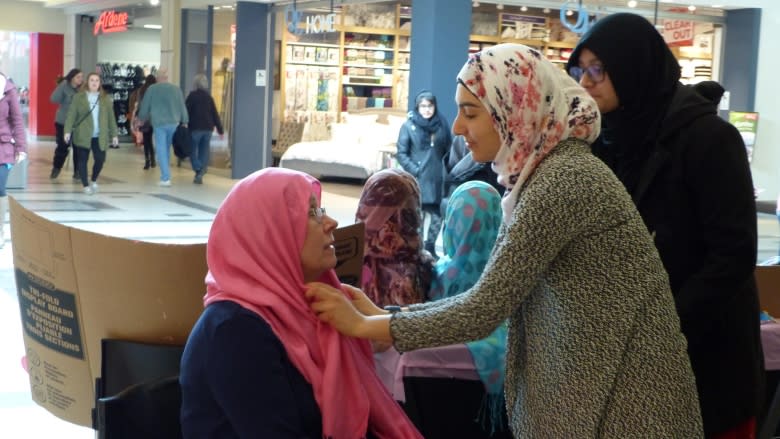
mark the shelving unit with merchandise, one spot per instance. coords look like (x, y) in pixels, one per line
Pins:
(538, 31)
(310, 83)
(363, 64)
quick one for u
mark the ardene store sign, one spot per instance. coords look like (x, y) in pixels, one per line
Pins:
(111, 21)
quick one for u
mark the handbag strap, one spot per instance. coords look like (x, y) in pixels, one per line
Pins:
(86, 115)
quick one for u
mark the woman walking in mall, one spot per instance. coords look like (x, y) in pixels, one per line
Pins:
(594, 347)
(422, 142)
(688, 174)
(67, 87)
(145, 126)
(203, 119)
(13, 141)
(92, 124)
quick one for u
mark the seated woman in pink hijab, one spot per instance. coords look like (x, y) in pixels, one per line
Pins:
(258, 363)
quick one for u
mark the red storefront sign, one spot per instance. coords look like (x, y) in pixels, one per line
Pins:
(678, 32)
(111, 21)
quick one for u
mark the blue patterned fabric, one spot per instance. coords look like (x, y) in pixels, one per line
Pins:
(470, 229)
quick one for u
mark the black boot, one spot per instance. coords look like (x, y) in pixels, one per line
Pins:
(146, 164)
(54, 173)
(154, 163)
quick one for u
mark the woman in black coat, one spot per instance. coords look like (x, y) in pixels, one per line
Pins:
(687, 171)
(424, 139)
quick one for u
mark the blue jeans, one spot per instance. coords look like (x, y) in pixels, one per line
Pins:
(163, 137)
(201, 147)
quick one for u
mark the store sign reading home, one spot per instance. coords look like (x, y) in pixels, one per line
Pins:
(315, 24)
(111, 21)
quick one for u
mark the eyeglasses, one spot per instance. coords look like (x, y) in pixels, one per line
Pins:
(317, 213)
(594, 71)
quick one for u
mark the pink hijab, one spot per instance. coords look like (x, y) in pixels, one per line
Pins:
(254, 260)
(535, 105)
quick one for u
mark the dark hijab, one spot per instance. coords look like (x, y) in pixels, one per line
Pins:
(645, 74)
(431, 125)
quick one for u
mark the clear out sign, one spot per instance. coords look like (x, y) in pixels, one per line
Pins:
(678, 32)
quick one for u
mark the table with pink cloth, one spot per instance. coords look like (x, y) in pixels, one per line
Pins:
(770, 339)
(452, 361)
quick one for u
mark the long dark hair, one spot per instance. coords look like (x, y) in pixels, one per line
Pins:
(69, 77)
(148, 81)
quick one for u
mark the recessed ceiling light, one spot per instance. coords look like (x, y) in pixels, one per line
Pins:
(154, 2)
(524, 8)
(546, 10)
(152, 26)
(632, 3)
(691, 8)
(475, 4)
(569, 12)
(499, 6)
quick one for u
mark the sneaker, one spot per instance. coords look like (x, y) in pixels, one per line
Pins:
(88, 190)
(164, 183)
(94, 186)
(55, 172)
(198, 178)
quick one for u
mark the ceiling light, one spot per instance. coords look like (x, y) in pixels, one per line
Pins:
(475, 4)
(717, 6)
(499, 6)
(632, 3)
(691, 8)
(524, 8)
(569, 12)
(546, 10)
(154, 2)
(152, 26)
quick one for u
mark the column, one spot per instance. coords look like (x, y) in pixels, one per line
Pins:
(170, 39)
(45, 65)
(439, 47)
(253, 88)
(740, 70)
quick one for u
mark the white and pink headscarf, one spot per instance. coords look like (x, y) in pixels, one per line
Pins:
(253, 252)
(534, 104)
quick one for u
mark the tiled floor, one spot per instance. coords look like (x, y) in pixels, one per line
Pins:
(130, 204)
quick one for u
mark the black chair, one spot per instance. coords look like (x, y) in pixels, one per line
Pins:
(148, 410)
(133, 373)
(444, 408)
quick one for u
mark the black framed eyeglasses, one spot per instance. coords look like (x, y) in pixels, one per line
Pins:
(594, 71)
(317, 213)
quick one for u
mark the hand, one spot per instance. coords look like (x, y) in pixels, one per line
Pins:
(66, 137)
(21, 155)
(332, 306)
(115, 141)
(361, 302)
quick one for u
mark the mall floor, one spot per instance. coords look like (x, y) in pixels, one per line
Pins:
(129, 204)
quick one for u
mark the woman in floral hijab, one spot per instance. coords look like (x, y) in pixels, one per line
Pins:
(396, 269)
(594, 347)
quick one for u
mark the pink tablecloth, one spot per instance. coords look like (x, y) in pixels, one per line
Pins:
(444, 362)
(770, 339)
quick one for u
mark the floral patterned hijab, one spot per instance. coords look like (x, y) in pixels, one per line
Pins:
(534, 104)
(396, 269)
(254, 259)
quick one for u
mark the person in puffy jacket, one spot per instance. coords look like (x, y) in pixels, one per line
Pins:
(13, 141)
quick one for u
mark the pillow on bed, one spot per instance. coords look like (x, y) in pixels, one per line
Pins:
(344, 133)
(360, 119)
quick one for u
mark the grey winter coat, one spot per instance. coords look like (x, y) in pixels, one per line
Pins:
(594, 345)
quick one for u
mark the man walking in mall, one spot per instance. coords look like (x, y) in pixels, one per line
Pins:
(163, 105)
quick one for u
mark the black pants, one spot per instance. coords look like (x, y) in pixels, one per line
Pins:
(148, 145)
(83, 158)
(435, 224)
(62, 149)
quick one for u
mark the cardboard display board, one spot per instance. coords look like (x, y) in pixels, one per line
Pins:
(349, 252)
(77, 287)
(768, 281)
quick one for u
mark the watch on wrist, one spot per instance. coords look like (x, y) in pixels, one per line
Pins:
(392, 309)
